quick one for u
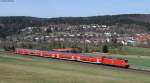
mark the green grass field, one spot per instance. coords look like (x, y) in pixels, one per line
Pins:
(18, 69)
(132, 51)
(137, 62)
(138, 57)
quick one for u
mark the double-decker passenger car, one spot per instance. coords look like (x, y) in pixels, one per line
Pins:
(89, 58)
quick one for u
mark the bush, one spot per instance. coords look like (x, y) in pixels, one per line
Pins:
(105, 49)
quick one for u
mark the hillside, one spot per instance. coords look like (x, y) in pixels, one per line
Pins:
(12, 24)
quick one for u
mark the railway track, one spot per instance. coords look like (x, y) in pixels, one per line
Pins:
(130, 69)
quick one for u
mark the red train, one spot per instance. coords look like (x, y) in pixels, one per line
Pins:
(76, 57)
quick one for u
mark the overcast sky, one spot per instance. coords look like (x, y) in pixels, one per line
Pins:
(63, 8)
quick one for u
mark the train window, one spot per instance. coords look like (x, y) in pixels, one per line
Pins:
(126, 60)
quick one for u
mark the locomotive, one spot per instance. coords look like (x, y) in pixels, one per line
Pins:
(89, 58)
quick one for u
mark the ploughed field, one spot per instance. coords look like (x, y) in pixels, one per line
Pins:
(27, 69)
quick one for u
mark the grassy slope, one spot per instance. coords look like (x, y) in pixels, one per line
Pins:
(27, 70)
(133, 51)
(138, 62)
(138, 57)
